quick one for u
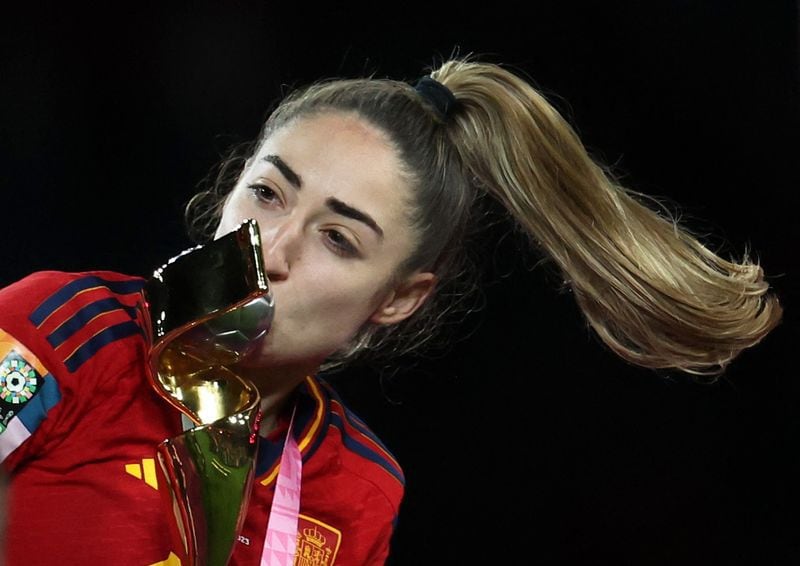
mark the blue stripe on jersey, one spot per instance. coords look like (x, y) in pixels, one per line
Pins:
(312, 448)
(303, 416)
(107, 336)
(355, 421)
(363, 451)
(71, 289)
(78, 320)
(308, 403)
(35, 410)
(359, 425)
(267, 454)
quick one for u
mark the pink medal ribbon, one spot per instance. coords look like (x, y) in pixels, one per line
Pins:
(280, 541)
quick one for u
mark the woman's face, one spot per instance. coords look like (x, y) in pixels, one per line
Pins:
(332, 208)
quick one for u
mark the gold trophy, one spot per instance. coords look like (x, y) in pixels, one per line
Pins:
(204, 310)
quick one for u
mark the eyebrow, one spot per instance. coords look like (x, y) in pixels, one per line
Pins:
(339, 207)
(334, 204)
(293, 178)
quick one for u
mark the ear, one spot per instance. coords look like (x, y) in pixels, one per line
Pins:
(402, 301)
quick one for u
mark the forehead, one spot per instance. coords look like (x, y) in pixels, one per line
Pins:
(334, 139)
(343, 156)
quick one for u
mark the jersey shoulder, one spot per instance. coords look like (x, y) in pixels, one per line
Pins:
(67, 318)
(62, 335)
(361, 451)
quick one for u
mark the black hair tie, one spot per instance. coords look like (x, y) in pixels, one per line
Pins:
(437, 94)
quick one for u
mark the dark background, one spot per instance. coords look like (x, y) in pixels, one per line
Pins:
(527, 442)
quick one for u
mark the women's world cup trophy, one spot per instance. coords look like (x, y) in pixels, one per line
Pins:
(204, 310)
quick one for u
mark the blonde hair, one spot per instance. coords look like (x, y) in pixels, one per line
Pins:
(650, 290)
(653, 293)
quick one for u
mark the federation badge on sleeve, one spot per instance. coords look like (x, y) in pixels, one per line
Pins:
(19, 381)
(21, 378)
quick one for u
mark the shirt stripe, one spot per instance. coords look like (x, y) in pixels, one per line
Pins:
(68, 291)
(308, 436)
(356, 423)
(85, 315)
(364, 451)
(359, 426)
(318, 414)
(102, 338)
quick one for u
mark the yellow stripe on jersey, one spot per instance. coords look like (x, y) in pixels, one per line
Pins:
(312, 431)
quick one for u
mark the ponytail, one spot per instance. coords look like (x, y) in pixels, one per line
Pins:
(652, 292)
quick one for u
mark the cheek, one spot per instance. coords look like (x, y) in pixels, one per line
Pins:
(347, 302)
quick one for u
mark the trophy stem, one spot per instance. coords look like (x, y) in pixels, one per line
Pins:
(209, 471)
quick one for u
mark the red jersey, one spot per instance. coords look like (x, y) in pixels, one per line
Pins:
(80, 421)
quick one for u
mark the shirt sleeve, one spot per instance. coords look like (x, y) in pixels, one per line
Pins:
(51, 326)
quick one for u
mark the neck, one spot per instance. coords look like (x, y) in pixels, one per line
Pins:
(275, 387)
(271, 406)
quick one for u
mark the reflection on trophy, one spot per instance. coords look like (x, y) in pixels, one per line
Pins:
(204, 310)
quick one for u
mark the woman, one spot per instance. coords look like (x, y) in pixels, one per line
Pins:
(364, 191)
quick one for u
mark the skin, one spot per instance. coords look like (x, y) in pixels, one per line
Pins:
(332, 268)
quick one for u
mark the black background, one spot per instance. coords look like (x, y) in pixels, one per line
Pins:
(527, 442)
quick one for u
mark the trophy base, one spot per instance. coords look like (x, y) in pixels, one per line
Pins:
(209, 473)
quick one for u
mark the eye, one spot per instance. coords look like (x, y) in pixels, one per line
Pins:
(340, 244)
(265, 193)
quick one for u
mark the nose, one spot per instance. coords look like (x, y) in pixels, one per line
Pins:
(281, 242)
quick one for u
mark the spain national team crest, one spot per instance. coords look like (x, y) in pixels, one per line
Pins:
(317, 543)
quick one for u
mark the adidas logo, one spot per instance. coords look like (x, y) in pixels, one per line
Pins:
(145, 471)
